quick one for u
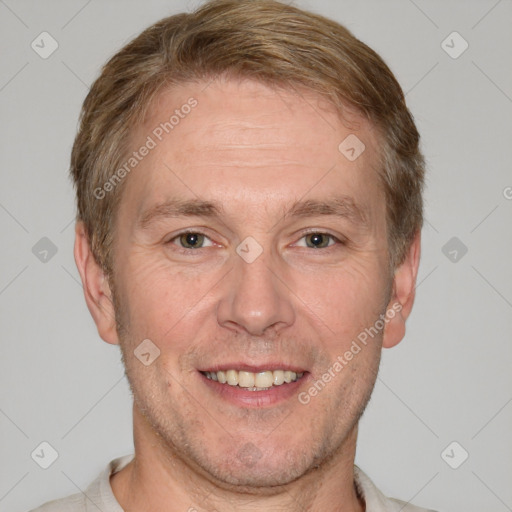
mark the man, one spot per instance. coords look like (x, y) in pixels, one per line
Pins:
(249, 212)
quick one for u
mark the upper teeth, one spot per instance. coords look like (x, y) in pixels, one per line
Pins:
(260, 380)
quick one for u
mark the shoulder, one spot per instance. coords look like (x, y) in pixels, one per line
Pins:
(403, 506)
(72, 503)
(376, 501)
(98, 496)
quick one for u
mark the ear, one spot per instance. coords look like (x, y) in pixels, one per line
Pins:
(97, 291)
(402, 295)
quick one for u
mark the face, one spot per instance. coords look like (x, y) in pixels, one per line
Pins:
(250, 248)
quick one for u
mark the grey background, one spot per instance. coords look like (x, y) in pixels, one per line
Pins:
(449, 380)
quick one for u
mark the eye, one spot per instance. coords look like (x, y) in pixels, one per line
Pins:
(191, 240)
(318, 240)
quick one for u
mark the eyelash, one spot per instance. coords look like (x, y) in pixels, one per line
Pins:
(196, 232)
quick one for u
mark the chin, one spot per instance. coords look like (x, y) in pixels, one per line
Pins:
(251, 468)
(267, 475)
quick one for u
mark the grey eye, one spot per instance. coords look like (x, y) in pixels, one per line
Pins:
(317, 240)
(191, 240)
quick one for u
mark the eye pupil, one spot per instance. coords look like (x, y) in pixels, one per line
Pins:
(191, 239)
(318, 239)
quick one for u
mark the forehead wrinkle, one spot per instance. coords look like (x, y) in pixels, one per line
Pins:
(220, 147)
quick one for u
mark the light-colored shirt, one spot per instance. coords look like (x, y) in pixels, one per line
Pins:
(99, 495)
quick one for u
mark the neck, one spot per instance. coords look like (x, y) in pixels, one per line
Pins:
(158, 479)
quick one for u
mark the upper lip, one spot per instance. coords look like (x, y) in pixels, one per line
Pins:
(271, 366)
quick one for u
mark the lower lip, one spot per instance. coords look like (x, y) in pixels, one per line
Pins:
(257, 399)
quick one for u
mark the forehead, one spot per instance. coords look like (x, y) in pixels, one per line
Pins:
(256, 145)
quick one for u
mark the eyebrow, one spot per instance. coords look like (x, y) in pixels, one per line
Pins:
(179, 208)
(339, 206)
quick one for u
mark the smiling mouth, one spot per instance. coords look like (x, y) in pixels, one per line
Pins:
(251, 381)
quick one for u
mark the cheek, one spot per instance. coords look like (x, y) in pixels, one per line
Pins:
(164, 304)
(345, 299)
(156, 291)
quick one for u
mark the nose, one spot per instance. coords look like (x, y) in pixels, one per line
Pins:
(255, 298)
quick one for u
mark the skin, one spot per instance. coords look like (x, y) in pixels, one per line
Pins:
(255, 150)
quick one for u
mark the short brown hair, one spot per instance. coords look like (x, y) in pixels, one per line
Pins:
(264, 40)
